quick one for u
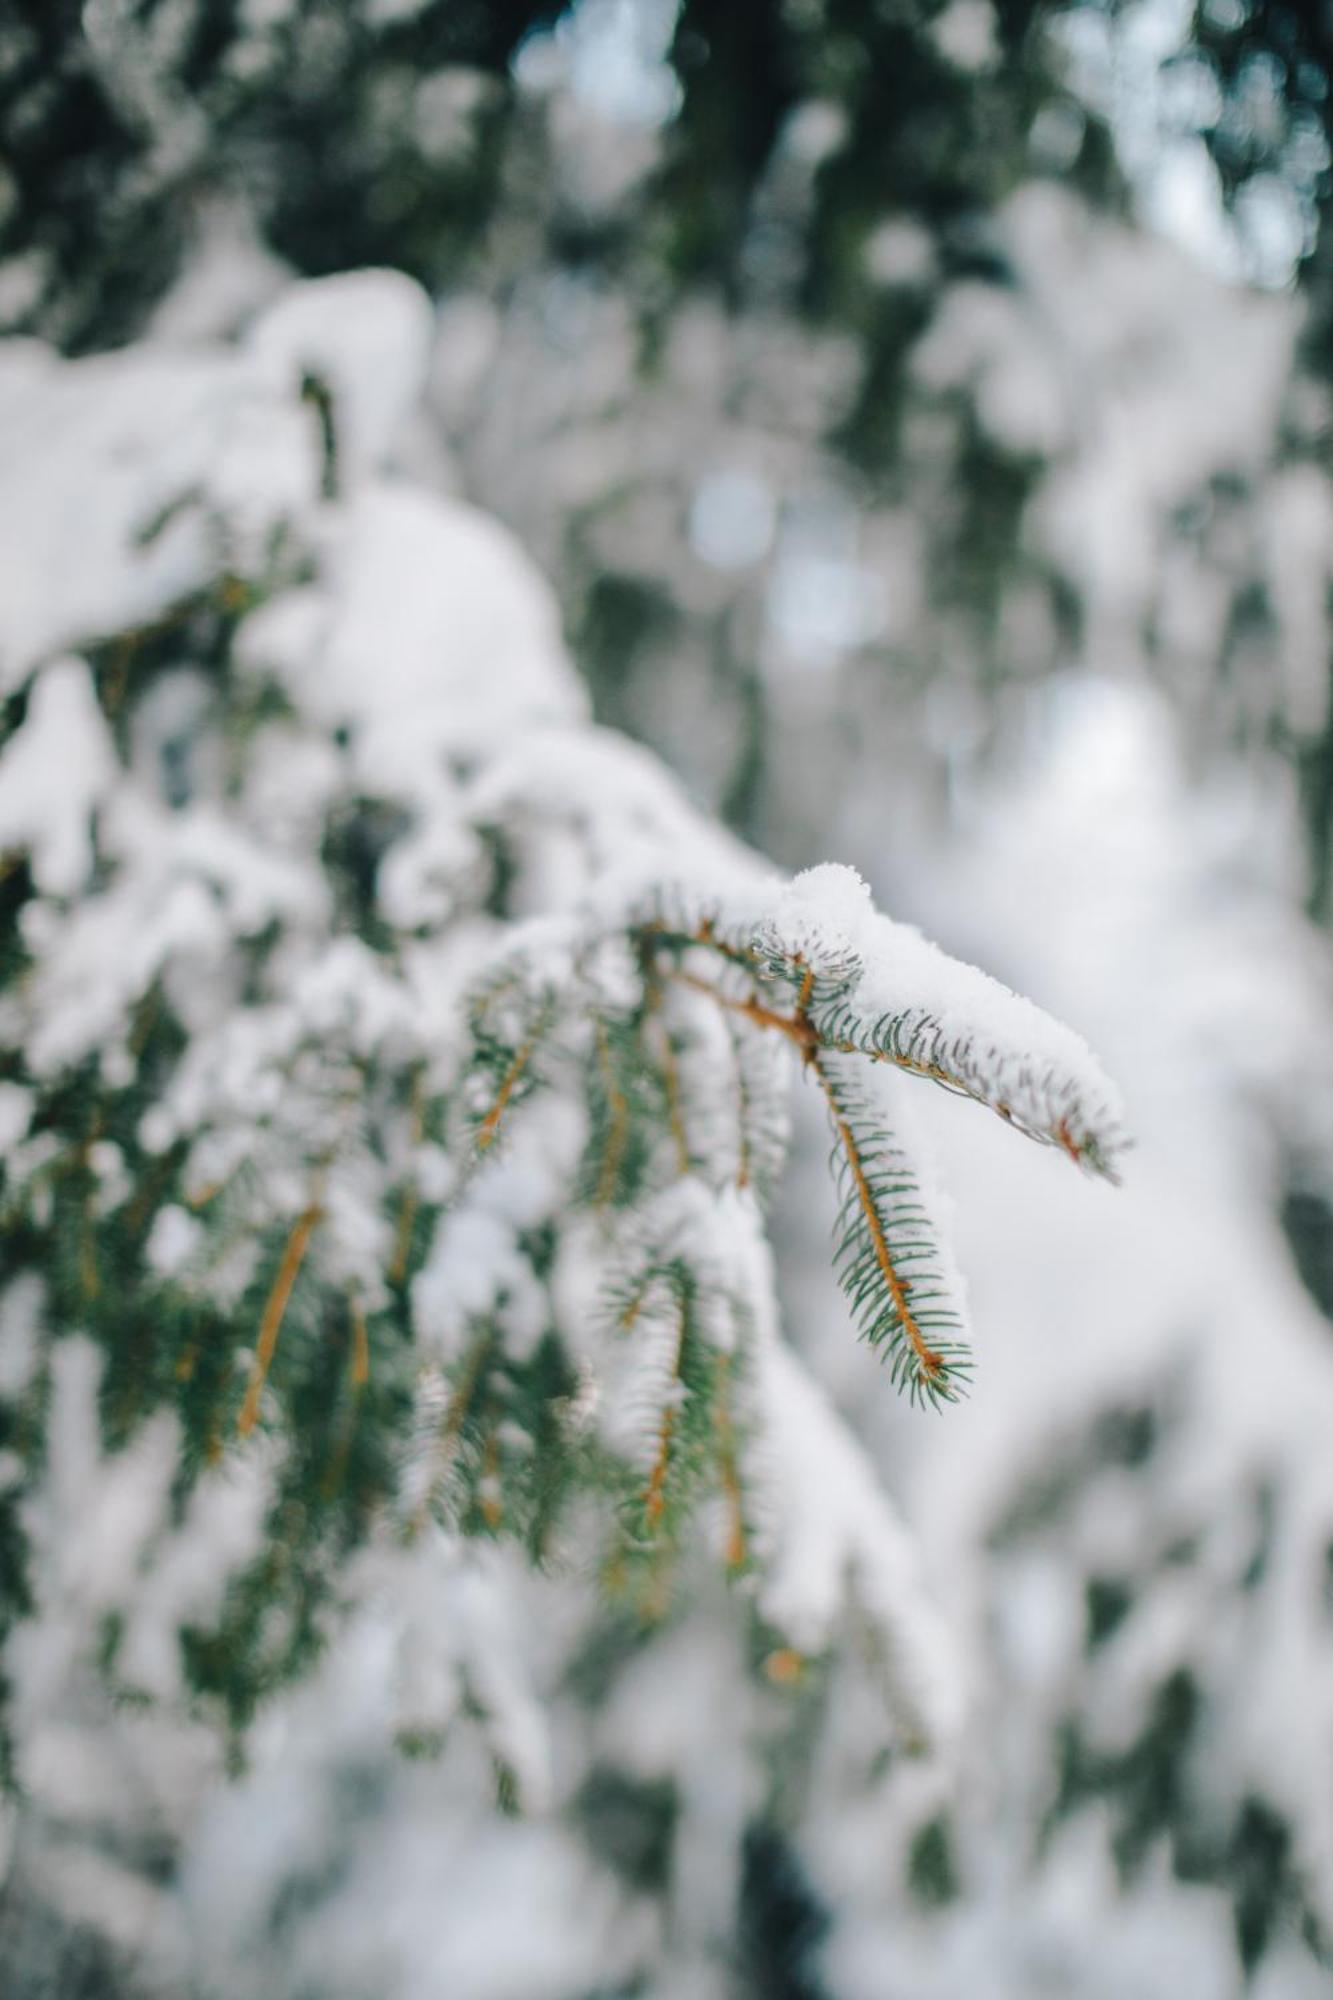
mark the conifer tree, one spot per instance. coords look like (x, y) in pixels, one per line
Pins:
(395, 1072)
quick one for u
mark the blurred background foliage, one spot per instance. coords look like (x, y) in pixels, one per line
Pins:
(703, 272)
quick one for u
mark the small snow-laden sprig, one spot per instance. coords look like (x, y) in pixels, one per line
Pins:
(514, 1010)
(761, 1081)
(433, 1477)
(485, 1453)
(727, 1088)
(677, 1316)
(808, 942)
(891, 1258)
(628, 1113)
(811, 964)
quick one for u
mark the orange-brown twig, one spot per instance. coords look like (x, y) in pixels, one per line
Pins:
(276, 1305)
(795, 1026)
(654, 1499)
(487, 1129)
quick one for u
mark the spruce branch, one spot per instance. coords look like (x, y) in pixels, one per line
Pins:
(888, 1261)
(1039, 1100)
(978, 1041)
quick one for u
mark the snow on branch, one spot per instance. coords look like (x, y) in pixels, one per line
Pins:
(900, 999)
(812, 965)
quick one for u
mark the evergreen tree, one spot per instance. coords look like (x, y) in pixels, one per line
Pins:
(396, 1072)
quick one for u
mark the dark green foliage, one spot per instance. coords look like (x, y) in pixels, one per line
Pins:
(1262, 1881)
(1108, 1600)
(630, 1823)
(1286, 49)
(512, 1024)
(355, 843)
(932, 1871)
(1149, 1792)
(59, 1960)
(1155, 1784)
(1307, 1218)
(782, 1922)
(494, 1452)
(310, 124)
(761, 1111)
(1144, 1784)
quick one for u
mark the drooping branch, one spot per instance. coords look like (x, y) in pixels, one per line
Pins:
(931, 1363)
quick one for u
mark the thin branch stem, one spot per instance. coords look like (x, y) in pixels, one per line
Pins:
(489, 1124)
(796, 1027)
(271, 1324)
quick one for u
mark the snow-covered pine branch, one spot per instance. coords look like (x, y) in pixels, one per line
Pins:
(395, 1067)
(811, 964)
